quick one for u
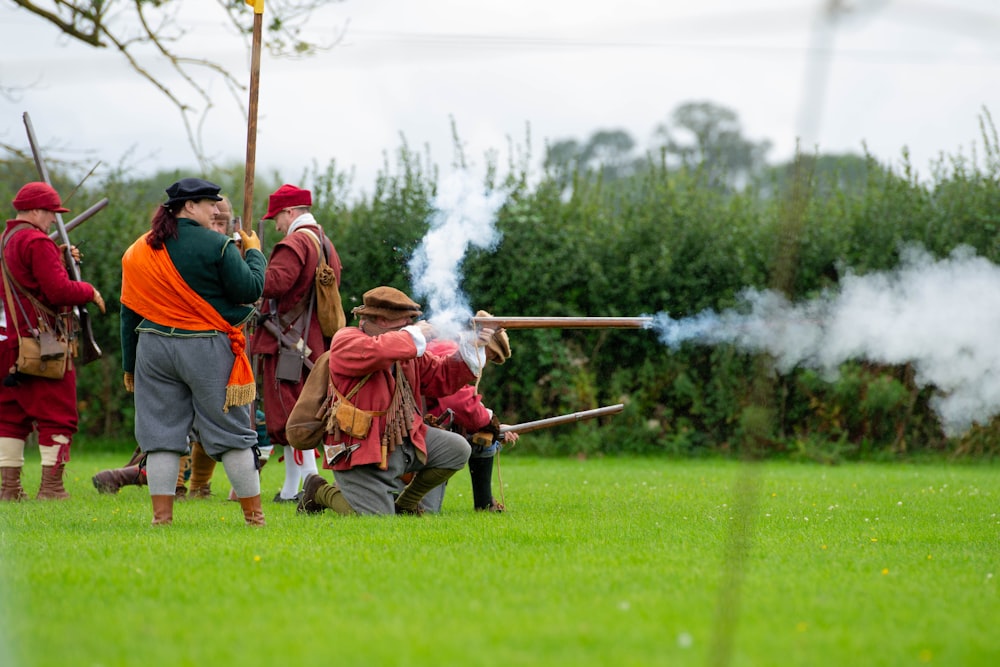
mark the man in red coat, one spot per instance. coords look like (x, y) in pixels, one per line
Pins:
(383, 370)
(464, 413)
(290, 305)
(41, 294)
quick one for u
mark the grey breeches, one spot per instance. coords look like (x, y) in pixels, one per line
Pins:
(373, 491)
(180, 383)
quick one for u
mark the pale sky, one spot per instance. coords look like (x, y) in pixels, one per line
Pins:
(891, 74)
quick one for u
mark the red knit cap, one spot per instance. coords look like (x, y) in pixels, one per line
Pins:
(38, 195)
(287, 196)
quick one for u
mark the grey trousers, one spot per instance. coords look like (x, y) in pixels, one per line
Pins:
(373, 491)
(433, 501)
(180, 383)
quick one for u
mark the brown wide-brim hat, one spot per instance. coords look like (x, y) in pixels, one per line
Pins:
(387, 302)
(499, 344)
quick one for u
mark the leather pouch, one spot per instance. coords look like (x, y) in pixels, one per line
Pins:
(353, 421)
(289, 366)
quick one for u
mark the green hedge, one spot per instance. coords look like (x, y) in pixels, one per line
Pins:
(660, 240)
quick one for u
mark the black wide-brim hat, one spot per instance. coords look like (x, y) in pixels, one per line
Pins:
(192, 189)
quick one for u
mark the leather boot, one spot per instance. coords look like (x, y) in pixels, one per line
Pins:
(330, 495)
(11, 488)
(202, 467)
(307, 502)
(252, 511)
(111, 481)
(481, 472)
(426, 479)
(183, 473)
(51, 487)
(163, 510)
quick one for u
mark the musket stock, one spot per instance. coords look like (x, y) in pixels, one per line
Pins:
(90, 350)
(563, 322)
(80, 219)
(526, 427)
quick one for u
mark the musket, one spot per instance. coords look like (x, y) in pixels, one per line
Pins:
(286, 341)
(563, 322)
(526, 427)
(91, 351)
(82, 218)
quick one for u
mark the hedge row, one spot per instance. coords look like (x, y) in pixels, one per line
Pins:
(662, 240)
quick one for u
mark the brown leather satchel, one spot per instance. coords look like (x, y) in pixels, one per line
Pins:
(329, 307)
(307, 421)
(44, 353)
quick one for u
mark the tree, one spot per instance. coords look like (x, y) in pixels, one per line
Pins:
(562, 159)
(148, 33)
(709, 137)
(610, 152)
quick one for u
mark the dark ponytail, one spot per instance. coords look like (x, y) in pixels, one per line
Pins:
(164, 226)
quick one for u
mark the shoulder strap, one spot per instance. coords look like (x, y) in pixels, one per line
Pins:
(320, 246)
(9, 277)
(10, 298)
(353, 391)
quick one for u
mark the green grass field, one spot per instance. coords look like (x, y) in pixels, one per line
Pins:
(597, 562)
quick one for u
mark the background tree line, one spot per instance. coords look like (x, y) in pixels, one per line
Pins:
(683, 228)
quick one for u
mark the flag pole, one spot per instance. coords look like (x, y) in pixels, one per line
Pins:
(248, 178)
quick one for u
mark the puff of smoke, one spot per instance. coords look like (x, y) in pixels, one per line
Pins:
(464, 218)
(941, 316)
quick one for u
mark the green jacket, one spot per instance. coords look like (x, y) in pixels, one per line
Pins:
(211, 265)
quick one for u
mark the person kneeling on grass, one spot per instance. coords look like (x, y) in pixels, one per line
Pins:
(380, 371)
(464, 413)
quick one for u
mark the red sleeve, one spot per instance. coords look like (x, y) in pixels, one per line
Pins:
(468, 408)
(353, 353)
(442, 376)
(52, 278)
(284, 270)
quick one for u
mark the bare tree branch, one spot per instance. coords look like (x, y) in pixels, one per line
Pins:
(131, 26)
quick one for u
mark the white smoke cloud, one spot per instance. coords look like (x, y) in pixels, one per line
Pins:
(942, 316)
(465, 218)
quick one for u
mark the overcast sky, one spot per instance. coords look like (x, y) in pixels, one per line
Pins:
(891, 74)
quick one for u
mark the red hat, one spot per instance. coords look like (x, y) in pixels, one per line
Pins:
(287, 196)
(38, 195)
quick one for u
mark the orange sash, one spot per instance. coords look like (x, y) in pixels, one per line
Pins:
(155, 290)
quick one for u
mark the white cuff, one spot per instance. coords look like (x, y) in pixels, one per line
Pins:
(418, 338)
(475, 357)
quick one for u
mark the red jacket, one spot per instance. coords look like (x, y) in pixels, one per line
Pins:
(35, 262)
(291, 271)
(465, 404)
(354, 354)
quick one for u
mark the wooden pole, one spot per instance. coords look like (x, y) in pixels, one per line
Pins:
(251, 163)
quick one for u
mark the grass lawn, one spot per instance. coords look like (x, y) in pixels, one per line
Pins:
(597, 562)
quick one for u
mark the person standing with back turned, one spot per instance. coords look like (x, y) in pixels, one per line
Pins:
(185, 290)
(40, 294)
(290, 306)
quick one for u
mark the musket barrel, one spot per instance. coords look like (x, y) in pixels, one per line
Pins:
(549, 422)
(563, 322)
(80, 219)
